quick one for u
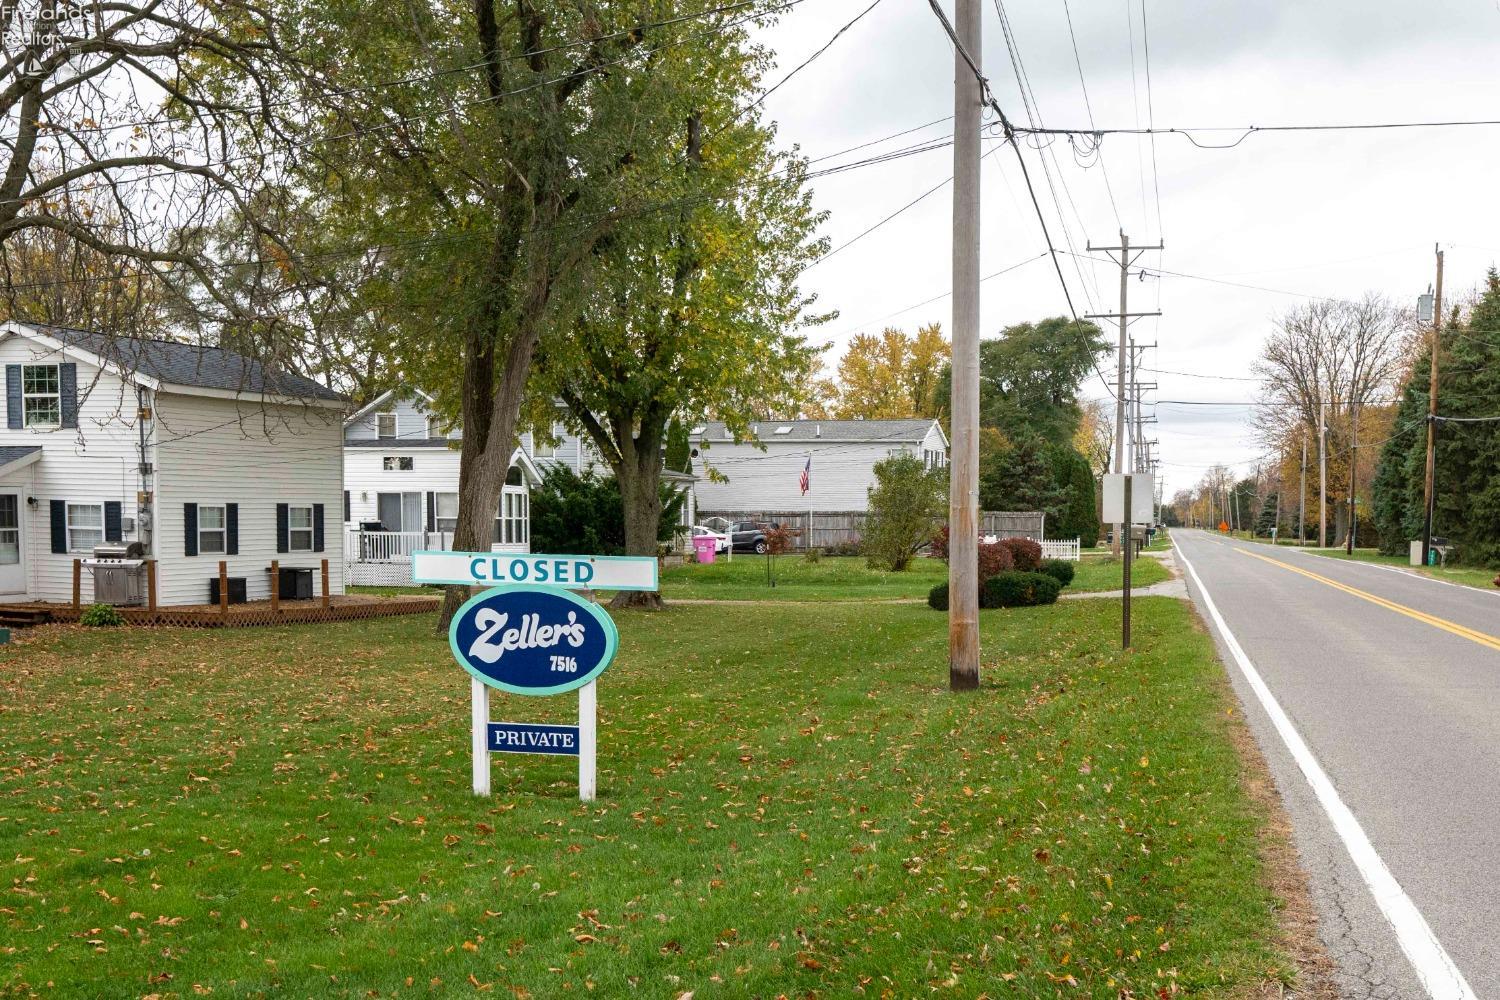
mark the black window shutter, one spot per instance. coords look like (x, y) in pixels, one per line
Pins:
(59, 509)
(13, 398)
(68, 383)
(231, 529)
(317, 527)
(283, 529)
(112, 531)
(189, 529)
(431, 511)
(346, 505)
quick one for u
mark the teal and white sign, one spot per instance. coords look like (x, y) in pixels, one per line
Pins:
(493, 569)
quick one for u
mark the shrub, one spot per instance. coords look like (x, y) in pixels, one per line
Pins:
(850, 547)
(1026, 553)
(101, 616)
(584, 513)
(994, 557)
(812, 555)
(939, 547)
(1018, 590)
(905, 501)
(937, 597)
(1060, 570)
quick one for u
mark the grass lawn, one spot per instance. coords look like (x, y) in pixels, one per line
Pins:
(847, 578)
(790, 803)
(1469, 576)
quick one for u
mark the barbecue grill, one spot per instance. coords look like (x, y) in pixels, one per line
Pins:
(117, 568)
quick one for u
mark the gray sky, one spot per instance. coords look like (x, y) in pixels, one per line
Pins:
(1332, 214)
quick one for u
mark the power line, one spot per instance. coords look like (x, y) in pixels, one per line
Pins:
(1249, 130)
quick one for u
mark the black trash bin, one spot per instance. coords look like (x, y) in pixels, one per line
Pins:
(236, 590)
(294, 584)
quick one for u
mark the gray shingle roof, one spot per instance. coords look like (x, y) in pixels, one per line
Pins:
(398, 444)
(12, 453)
(175, 363)
(826, 430)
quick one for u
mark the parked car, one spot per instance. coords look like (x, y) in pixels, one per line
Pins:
(721, 540)
(749, 536)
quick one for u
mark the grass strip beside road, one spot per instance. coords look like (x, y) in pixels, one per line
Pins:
(1466, 576)
(848, 578)
(790, 802)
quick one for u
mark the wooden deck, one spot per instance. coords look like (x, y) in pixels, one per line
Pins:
(342, 607)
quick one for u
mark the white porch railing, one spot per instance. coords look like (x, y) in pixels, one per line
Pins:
(392, 546)
(1055, 548)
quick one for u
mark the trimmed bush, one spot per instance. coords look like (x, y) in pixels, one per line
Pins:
(937, 597)
(101, 616)
(994, 557)
(812, 555)
(1059, 569)
(1026, 553)
(938, 548)
(1019, 590)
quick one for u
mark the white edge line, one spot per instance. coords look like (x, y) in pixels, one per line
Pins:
(1432, 964)
(1409, 574)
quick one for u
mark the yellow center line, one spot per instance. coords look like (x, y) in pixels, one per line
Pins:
(1460, 630)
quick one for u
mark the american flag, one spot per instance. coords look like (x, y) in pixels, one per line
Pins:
(805, 480)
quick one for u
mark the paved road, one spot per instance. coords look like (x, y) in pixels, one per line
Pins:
(1392, 681)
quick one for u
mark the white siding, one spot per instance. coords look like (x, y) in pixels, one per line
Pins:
(212, 451)
(92, 463)
(769, 480)
(412, 421)
(434, 470)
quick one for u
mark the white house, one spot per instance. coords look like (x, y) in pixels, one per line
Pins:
(401, 472)
(198, 453)
(764, 472)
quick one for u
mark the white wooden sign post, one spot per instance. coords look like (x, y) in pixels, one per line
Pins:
(529, 634)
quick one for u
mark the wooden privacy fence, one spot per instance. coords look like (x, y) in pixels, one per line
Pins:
(820, 529)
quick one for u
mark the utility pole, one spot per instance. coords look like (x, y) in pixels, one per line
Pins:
(1128, 256)
(963, 492)
(1353, 479)
(1429, 493)
(1302, 496)
(1322, 477)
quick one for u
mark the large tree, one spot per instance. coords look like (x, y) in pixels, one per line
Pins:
(481, 156)
(693, 311)
(889, 376)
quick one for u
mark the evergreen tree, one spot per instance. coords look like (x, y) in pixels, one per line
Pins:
(1265, 524)
(1020, 477)
(1468, 454)
(1079, 516)
(1401, 473)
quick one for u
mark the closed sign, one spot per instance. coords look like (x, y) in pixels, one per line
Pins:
(532, 640)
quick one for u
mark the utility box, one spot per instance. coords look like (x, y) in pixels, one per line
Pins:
(294, 584)
(236, 590)
(1416, 552)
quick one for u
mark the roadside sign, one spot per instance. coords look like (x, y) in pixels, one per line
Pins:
(574, 572)
(533, 640)
(528, 737)
(1142, 499)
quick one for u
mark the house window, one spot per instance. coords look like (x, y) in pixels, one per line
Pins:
(446, 505)
(399, 511)
(544, 442)
(513, 520)
(41, 395)
(299, 528)
(398, 463)
(210, 529)
(85, 526)
(385, 426)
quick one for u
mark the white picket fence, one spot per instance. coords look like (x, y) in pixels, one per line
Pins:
(1056, 548)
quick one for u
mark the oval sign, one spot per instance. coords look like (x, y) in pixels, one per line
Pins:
(532, 640)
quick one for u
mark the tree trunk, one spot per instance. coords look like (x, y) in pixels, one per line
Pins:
(639, 476)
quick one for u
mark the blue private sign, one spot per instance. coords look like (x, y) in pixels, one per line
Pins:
(532, 640)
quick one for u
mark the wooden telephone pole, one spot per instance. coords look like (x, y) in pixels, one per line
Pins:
(1127, 256)
(1302, 496)
(963, 489)
(1429, 492)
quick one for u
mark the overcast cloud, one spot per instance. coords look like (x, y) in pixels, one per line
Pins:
(1332, 214)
